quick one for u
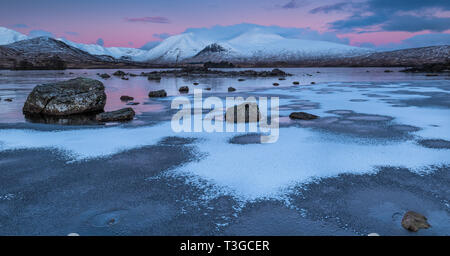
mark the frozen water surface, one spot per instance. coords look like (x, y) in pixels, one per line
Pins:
(249, 171)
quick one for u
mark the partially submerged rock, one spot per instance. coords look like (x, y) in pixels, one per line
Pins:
(75, 96)
(231, 89)
(414, 221)
(119, 73)
(296, 82)
(157, 94)
(104, 76)
(302, 116)
(125, 114)
(126, 98)
(184, 89)
(154, 78)
(247, 112)
(275, 84)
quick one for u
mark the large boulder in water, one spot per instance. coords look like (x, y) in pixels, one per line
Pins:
(75, 96)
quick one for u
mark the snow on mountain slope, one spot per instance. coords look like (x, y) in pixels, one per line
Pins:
(9, 36)
(254, 44)
(261, 45)
(176, 48)
(116, 52)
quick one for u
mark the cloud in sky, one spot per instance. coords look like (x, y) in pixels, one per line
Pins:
(161, 36)
(227, 32)
(19, 25)
(150, 45)
(388, 15)
(331, 8)
(100, 42)
(71, 33)
(155, 19)
(290, 5)
(38, 33)
(424, 40)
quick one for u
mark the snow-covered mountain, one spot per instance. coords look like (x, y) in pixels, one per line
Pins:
(9, 36)
(176, 48)
(253, 45)
(116, 52)
(240, 43)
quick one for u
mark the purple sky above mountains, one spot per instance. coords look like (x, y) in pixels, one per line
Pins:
(133, 23)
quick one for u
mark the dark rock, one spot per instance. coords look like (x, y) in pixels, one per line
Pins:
(276, 84)
(278, 72)
(436, 143)
(241, 79)
(126, 98)
(302, 116)
(132, 103)
(429, 68)
(231, 89)
(313, 82)
(119, 73)
(193, 71)
(195, 83)
(125, 114)
(105, 76)
(125, 78)
(414, 221)
(296, 83)
(157, 94)
(184, 89)
(247, 112)
(8, 100)
(208, 89)
(154, 78)
(281, 78)
(222, 64)
(75, 96)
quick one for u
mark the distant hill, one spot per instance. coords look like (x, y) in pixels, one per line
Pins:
(49, 53)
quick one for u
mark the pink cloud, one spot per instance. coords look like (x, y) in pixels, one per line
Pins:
(155, 19)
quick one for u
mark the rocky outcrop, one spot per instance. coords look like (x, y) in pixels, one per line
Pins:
(302, 116)
(205, 72)
(75, 96)
(429, 68)
(157, 94)
(247, 112)
(121, 115)
(414, 221)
